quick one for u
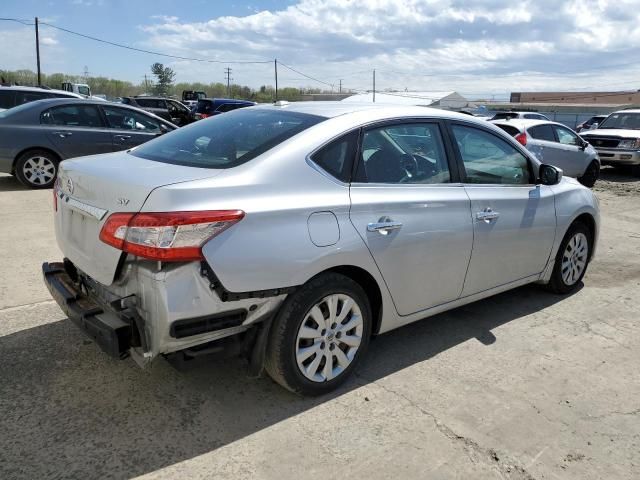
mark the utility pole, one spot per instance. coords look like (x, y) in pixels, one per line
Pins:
(227, 73)
(146, 84)
(374, 85)
(275, 66)
(340, 90)
(86, 73)
(38, 51)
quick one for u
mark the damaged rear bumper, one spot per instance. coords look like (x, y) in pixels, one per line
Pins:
(108, 329)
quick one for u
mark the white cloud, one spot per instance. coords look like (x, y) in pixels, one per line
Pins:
(475, 45)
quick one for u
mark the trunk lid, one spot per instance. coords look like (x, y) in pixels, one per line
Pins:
(92, 188)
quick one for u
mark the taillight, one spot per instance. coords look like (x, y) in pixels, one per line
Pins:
(522, 138)
(169, 237)
(200, 116)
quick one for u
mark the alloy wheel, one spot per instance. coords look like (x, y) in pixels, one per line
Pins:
(574, 258)
(329, 337)
(39, 170)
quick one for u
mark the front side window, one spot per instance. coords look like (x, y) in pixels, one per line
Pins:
(337, 157)
(126, 119)
(488, 159)
(226, 141)
(566, 136)
(542, 132)
(72, 116)
(410, 153)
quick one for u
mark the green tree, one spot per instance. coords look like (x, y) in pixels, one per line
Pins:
(165, 76)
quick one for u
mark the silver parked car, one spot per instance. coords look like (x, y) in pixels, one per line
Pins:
(36, 136)
(557, 145)
(295, 232)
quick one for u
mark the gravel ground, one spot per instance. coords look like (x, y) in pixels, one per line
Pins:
(524, 385)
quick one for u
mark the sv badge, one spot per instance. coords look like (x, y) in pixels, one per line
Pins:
(123, 201)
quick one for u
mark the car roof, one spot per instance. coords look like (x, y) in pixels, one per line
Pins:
(335, 109)
(52, 102)
(226, 100)
(525, 122)
(39, 89)
(630, 110)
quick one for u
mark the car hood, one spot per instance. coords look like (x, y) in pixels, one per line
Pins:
(611, 132)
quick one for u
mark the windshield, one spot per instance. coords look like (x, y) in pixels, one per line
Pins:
(228, 140)
(622, 120)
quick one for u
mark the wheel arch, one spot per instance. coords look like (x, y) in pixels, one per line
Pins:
(28, 149)
(589, 221)
(370, 286)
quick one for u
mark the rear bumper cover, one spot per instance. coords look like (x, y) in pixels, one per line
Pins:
(106, 328)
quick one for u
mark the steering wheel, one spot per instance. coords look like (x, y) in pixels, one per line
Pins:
(417, 165)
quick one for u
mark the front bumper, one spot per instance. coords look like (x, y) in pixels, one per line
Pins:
(618, 157)
(106, 328)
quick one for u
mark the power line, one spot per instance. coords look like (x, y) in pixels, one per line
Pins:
(23, 21)
(178, 57)
(306, 76)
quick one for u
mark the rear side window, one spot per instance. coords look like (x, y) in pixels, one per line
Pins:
(337, 157)
(542, 132)
(6, 99)
(226, 141)
(534, 116)
(510, 129)
(72, 116)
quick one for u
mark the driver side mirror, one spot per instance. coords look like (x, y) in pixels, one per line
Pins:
(549, 175)
(164, 129)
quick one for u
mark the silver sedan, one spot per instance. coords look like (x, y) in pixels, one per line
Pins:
(295, 232)
(558, 145)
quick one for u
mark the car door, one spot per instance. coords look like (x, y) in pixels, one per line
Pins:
(76, 129)
(571, 157)
(129, 128)
(514, 220)
(180, 115)
(412, 214)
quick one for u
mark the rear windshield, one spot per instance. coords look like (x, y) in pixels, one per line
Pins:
(225, 141)
(504, 116)
(511, 130)
(204, 106)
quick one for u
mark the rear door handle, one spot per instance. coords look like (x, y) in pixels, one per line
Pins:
(123, 137)
(487, 215)
(384, 226)
(63, 134)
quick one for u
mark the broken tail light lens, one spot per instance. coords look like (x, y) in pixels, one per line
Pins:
(167, 237)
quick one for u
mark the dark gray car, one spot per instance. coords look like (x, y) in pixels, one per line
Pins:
(36, 136)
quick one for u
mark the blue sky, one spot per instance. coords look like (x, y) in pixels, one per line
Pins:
(478, 47)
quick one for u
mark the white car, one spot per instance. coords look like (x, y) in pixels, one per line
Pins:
(558, 145)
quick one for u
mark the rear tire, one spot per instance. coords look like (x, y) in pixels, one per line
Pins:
(591, 174)
(572, 259)
(37, 169)
(319, 335)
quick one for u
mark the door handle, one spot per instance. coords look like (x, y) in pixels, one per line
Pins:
(487, 215)
(123, 137)
(384, 226)
(63, 134)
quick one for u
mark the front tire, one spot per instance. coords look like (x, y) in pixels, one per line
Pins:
(319, 335)
(572, 259)
(37, 169)
(591, 174)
